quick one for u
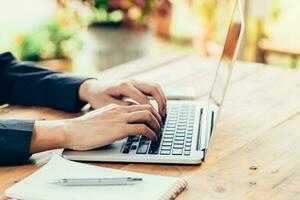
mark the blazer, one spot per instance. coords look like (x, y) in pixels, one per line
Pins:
(25, 84)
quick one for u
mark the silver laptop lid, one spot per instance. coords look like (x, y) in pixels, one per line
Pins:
(229, 55)
(225, 67)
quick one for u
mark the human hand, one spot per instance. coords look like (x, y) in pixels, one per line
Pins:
(96, 128)
(99, 94)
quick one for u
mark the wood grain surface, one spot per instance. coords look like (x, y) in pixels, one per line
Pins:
(255, 154)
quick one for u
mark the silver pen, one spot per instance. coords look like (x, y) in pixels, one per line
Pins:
(95, 181)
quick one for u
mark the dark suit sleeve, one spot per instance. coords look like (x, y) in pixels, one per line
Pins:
(25, 84)
(15, 140)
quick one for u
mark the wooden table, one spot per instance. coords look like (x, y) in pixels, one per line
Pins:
(256, 152)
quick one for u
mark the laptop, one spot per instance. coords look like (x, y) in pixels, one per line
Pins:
(188, 127)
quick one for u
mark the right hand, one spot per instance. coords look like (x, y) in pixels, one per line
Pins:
(111, 123)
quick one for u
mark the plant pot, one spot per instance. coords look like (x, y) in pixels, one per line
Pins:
(114, 45)
(161, 24)
(63, 64)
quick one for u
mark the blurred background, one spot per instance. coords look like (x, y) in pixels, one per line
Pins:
(88, 36)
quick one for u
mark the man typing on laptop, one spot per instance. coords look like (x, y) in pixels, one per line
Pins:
(25, 84)
(137, 133)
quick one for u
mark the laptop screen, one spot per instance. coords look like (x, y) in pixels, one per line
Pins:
(229, 55)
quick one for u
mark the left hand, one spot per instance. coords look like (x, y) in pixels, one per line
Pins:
(99, 94)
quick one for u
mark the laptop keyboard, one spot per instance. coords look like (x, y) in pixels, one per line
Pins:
(176, 138)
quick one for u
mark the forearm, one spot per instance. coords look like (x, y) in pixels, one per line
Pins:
(21, 138)
(48, 135)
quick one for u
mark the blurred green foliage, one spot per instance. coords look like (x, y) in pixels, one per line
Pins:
(53, 40)
(128, 13)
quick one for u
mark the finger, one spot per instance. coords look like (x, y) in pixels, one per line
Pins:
(164, 99)
(145, 117)
(155, 92)
(135, 108)
(162, 94)
(101, 110)
(120, 102)
(141, 129)
(131, 92)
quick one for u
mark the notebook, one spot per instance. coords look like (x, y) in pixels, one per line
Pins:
(36, 186)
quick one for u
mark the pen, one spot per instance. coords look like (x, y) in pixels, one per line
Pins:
(95, 181)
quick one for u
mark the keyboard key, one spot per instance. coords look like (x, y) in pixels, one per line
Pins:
(166, 148)
(188, 144)
(145, 142)
(133, 138)
(153, 151)
(189, 133)
(187, 148)
(170, 126)
(143, 138)
(142, 149)
(177, 152)
(167, 143)
(182, 123)
(179, 142)
(183, 117)
(169, 132)
(165, 152)
(178, 146)
(183, 120)
(154, 146)
(170, 129)
(179, 135)
(136, 139)
(125, 151)
(133, 147)
(179, 138)
(188, 140)
(167, 139)
(187, 153)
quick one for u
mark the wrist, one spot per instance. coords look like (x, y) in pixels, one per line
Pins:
(85, 90)
(48, 135)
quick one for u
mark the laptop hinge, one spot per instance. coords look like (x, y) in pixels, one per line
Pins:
(199, 131)
(209, 134)
(204, 154)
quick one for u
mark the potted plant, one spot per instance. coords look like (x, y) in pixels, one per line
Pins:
(50, 45)
(119, 29)
(162, 18)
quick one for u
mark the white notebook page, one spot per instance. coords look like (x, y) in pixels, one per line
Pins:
(35, 187)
